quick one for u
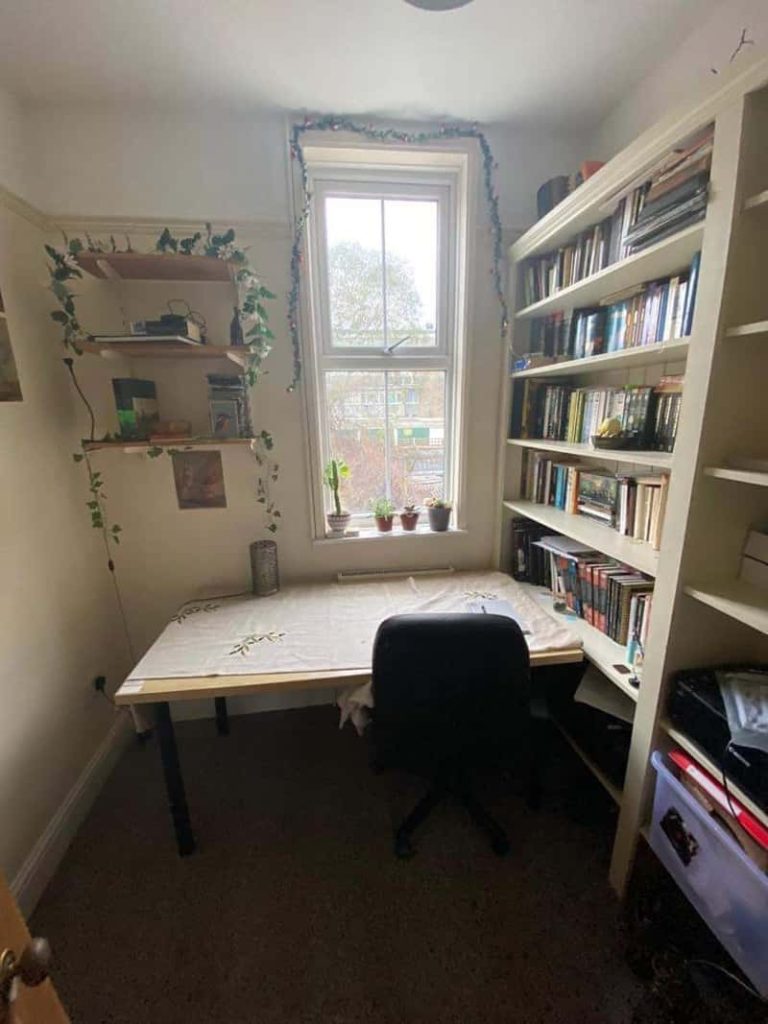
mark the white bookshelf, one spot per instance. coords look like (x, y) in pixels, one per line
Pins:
(695, 621)
(627, 359)
(660, 460)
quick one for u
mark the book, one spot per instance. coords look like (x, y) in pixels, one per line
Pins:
(137, 411)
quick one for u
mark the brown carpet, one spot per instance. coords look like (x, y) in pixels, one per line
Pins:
(294, 908)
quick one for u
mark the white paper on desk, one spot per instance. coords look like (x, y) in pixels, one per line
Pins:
(497, 606)
(599, 692)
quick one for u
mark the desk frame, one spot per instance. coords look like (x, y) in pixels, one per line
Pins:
(161, 693)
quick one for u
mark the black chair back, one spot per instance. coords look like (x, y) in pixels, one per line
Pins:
(449, 690)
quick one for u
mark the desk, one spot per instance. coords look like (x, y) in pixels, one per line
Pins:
(310, 636)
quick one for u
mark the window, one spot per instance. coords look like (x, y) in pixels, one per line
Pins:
(384, 261)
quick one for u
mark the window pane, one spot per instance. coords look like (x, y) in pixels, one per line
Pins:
(363, 312)
(410, 233)
(417, 433)
(355, 271)
(356, 434)
(389, 427)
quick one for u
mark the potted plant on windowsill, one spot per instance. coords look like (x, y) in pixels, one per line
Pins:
(409, 517)
(384, 514)
(338, 520)
(439, 511)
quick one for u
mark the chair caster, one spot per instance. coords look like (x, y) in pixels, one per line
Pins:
(404, 849)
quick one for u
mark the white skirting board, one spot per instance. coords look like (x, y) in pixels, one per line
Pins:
(46, 855)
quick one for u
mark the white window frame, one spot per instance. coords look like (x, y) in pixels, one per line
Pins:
(360, 171)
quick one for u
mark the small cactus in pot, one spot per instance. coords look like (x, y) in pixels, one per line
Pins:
(409, 517)
(439, 511)
(338, 520)
(384, 514)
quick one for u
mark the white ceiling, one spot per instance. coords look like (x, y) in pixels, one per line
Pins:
(564, 62)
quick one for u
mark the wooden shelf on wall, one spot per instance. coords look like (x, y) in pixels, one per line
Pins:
(182, 443)
(658, 260)
(165, 348)
(585, 451)
(760, 199)
(647, 355)
(154, 266)
(632, 552)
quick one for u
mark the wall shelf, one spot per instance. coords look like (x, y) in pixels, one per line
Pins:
(165, 348)
(156, 266)
(585, 451)
(746, 330)
(739, 476)
(603, 652)
(648, 355)
(182, 442)
(635, 553)
(741, 601)
(658, 260)
(714, 770)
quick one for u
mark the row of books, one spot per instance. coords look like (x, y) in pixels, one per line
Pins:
(562, 412)
(608, 595)
(672, 197)
(632, 505)
(646, 315)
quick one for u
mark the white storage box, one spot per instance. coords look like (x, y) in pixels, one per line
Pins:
(722, 883)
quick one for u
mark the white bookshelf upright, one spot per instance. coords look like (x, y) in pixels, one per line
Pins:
(702, 613)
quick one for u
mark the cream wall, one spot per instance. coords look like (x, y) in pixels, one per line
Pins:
(58, 621)
(687, 75)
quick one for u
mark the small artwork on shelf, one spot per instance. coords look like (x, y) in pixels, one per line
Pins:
(199, 478)
(225, 418)
(10, 389)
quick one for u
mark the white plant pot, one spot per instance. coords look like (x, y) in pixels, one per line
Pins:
(338, 524)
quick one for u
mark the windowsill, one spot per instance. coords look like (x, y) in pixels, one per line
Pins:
(372, 534)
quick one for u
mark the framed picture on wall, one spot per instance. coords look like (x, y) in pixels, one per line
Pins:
(10, 389)
(199, 478)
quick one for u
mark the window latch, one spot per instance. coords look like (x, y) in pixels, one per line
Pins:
(389, 349)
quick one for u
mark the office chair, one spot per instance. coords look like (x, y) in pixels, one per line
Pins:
(452, 696)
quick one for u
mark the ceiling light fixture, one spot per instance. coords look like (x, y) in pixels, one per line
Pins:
(438, 5)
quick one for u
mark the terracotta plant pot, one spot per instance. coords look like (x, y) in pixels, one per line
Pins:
(439, 519)
(384, 523)
(408, 520)
(338, 524)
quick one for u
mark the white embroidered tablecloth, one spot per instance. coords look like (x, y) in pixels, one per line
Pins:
(326, 626)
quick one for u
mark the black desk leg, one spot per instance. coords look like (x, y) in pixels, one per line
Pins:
(174, 780)
(222, 718)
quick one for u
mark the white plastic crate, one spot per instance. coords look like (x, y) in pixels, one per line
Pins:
(723, 884)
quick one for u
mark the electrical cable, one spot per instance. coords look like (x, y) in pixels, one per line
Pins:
(70, 365)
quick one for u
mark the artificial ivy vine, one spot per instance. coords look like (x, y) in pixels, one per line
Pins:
(336, 123)
(250, 310)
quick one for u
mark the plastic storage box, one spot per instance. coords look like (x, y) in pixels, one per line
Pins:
(722, 883)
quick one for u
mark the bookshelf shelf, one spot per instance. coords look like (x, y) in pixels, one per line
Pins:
(636, 553)
(164, 348)
(709, 765)
(745, 330)
(182, 442)
(612, 790)
(739, 600)
(663, 460)
(647, 355)
(760, 199)
(739, 476)
(603, 652)
(140, 266)
(658, 260)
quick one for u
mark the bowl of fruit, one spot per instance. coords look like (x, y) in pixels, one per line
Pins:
(610, 436)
